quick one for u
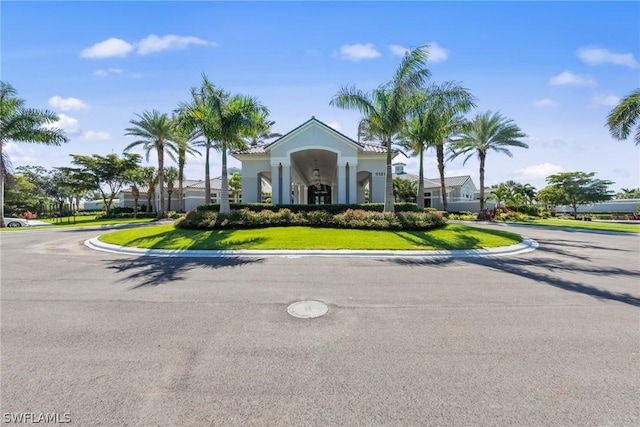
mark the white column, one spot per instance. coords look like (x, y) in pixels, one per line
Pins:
(342, 183)
(286, 183)
(353, 183)
(275, 184)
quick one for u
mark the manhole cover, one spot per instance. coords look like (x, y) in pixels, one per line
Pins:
(307, 309)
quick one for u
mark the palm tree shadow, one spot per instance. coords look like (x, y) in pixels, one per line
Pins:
(523, 267)
(152, 271)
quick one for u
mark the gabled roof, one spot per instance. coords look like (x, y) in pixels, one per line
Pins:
(262, 149)
(452, 181)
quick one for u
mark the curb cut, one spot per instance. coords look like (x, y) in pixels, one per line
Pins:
(527, 245)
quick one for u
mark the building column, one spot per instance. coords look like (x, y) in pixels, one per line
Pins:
(275, 184)
(342, 183)
(353, 183)
(286, 184)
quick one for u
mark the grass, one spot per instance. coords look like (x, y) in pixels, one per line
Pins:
(451, 236)
(585, 225)
(83, 221)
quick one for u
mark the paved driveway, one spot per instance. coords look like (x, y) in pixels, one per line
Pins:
(549, 337)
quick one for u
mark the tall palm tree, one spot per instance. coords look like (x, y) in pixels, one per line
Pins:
(625, 116)
(487, 132)
(183, 140)
(155, 132)
(170, 176)
(224, 120)
(434, 114)
(261, 132)
(385, 108)
(21, 124)
(150, 177)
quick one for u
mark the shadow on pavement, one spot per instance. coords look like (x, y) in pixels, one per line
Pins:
(151, 271)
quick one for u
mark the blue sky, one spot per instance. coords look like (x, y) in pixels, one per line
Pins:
(555, 68)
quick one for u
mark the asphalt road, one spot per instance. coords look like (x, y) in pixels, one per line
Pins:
(551, 337)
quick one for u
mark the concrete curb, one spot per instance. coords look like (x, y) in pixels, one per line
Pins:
(527, 245)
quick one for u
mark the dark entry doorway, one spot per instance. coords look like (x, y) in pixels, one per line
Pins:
(319, 196)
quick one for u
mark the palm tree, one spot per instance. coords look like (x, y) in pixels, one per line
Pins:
(20, 124)
(170, 175)
(224, 120)
(404, 190)
(136, 178)
(150, 178)
(155, 131)
(384, 109)
(434, 114)
(499, 193)
(261, 132)
(486, 132)
(625, 116)
(183, 142)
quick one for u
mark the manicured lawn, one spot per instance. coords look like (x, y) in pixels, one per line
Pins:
(451, 236)
(632, 227)
(83, 221)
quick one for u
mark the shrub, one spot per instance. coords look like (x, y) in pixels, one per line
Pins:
(333, 209)
(351, 218)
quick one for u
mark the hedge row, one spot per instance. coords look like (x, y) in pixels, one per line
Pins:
(333, 209)
(351, 218)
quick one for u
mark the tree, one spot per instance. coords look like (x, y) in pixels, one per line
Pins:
(155, 132)
(106, 174)
(384, 110)
(150, 178)
(183, 140)
(171, 175)
(499, 193)
(224, 120)
(135, 178)
(628, 193)
(622, 119)
(235, 186)
(260, 132)
(404, 190)
(550, 197)
(486, 132)
(434, 114)
(580, 188)
(21, 124)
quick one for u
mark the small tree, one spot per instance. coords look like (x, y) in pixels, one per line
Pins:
(580, 188)
(235, 186)
(170, 178)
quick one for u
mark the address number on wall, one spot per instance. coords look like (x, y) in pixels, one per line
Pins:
(380, 174)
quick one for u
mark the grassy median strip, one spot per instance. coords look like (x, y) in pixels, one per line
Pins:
(451, 236)
(631, 227)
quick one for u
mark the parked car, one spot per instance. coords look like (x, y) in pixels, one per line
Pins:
(15, 222)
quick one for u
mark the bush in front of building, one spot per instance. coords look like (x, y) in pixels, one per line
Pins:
(333, 209)
(284, 217)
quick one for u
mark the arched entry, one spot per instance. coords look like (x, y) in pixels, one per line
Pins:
(314, 176)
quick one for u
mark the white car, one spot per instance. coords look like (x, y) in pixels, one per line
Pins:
(15, 222)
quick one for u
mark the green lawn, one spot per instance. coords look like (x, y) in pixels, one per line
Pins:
(631, 227)
(451, 236)
(83, 221)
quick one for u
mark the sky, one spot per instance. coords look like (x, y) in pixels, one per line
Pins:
(555, 68)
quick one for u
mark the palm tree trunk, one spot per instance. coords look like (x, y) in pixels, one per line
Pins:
(207, 179)
(420, 195)
(482, 201)
(136, 196)
(388, 194)
(2, 224)
(161, 212)
(225, 208)
(180, 179)
(443, 187)
(169, 191)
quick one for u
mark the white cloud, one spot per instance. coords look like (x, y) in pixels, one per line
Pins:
(66, 123)
(108, 71)
(546, 102)
(335, 125)
(153, 43)
(539, 171)
(606, 100)
(398, 50)
(92, 135)
(20, 154)
(568, 78)
(436, 52)
(594, 56)
(108, 48)
(356, 52)
(66, 104)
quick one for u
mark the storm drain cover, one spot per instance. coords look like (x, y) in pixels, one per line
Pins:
(307, 309)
